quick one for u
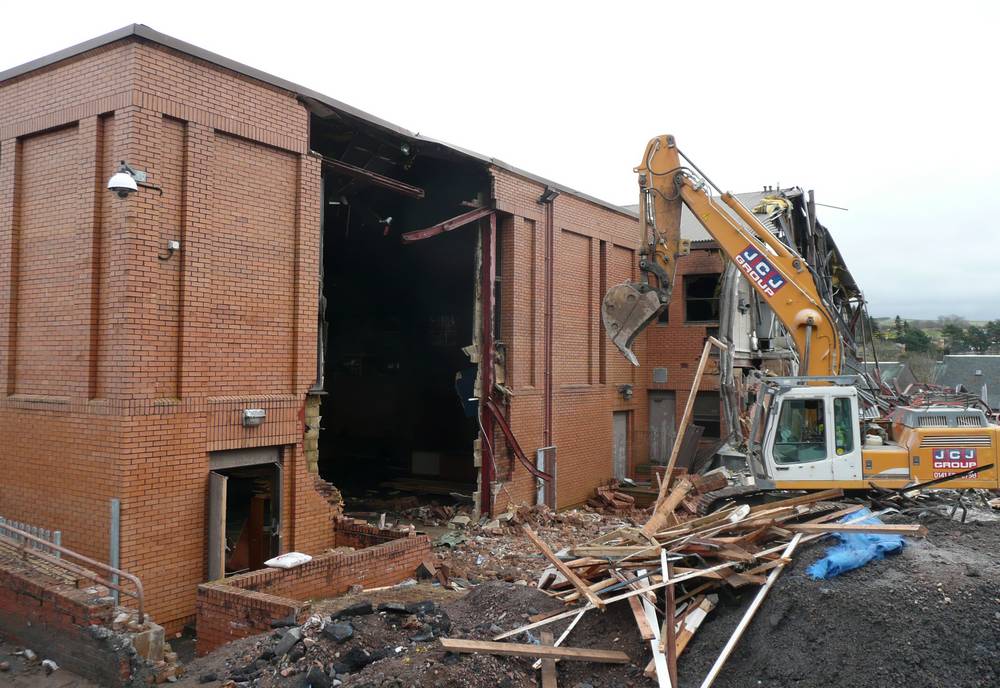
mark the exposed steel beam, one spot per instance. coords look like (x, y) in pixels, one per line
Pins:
(446, 226)
(350, 170)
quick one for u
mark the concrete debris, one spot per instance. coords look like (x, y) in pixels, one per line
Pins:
(49, 666)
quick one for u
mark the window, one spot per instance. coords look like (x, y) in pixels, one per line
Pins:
(706, 413)
(801, 435)
(701, 298)
(843, 425)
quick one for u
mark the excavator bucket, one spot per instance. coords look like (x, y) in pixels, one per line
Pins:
(627, 310)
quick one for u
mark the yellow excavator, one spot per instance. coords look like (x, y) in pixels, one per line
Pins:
(806, 430)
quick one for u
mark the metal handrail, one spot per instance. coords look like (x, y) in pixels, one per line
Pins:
(78, 570)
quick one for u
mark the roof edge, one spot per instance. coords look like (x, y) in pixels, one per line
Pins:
(144, 32)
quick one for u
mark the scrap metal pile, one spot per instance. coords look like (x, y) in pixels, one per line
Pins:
(670, 572)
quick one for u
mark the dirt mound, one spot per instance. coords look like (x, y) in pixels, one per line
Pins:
(927, 617)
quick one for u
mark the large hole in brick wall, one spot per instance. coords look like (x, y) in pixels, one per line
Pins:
(396, 419)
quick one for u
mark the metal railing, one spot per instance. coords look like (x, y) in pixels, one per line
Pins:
(49, 536)
(21, 539)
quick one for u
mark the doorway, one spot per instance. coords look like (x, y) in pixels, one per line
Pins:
(662, 426)
(244, 524)
(620, 445)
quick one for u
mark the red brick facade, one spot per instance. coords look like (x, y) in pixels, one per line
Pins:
(594, 248)
(122, 367)
(121, 371)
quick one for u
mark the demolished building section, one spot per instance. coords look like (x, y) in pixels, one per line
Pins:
(298, 295)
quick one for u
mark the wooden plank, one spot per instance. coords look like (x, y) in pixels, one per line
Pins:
(821, 496)
(661, 671)
(596, 587)
(667, 633)
(565, 634)
(692, 622)
(548, 665)
(883, 528)
(748, 616)
(567, 572)
(579, 654)
(645, 631)
(649, 588)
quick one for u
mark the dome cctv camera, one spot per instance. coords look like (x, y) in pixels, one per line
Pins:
(122, 183)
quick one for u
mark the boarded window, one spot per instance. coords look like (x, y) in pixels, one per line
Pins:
(701, 298)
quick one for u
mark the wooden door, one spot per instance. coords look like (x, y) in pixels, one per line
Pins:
(216, 525)
(662, 425)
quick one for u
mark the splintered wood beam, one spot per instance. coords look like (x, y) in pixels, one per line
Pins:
(579, 654)
(566, 571)
(877, 528)
(446, 226)
(548, 665)
(349, 170)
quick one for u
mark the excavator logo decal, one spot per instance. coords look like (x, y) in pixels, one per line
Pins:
(954, 459)
(760, 270)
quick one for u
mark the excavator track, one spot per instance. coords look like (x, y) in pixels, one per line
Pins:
(704, 503)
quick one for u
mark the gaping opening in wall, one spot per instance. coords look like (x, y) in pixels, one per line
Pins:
(398, 418)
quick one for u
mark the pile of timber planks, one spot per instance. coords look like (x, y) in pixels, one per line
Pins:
(608, 499)
(678, 568)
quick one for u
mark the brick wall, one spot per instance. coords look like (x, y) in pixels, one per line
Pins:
(58, 621)
(120, 371)
(245, 605)
(594, 248)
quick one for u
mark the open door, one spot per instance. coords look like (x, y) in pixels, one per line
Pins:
(279, 491)
(216, 525)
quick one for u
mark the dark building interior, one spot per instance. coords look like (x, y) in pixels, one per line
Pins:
(397, 384)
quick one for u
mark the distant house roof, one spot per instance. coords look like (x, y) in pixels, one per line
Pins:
(895, 374)
(694, 231)
(315, 101)
(976, 373)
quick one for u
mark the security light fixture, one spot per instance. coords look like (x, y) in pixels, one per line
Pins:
(625, 391)
(548, 195)
(252, 417)
(126, 181)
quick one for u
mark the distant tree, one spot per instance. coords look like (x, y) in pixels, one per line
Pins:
(915, 340)
(876, 331)
(977, 338)
(954, 338)
(952, 320)
(898, 326)
(922, 366)
(993, 330)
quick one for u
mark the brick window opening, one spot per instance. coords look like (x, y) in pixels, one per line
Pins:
(701, 298)
(706, 414)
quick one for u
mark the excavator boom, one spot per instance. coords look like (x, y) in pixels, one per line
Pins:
(776, 271)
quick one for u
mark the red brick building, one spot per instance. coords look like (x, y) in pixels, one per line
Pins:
(132, 373)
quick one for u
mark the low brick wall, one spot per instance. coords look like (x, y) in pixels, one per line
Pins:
(59, 620)
(246, 604)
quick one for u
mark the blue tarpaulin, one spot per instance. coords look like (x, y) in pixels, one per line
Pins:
(855, 549)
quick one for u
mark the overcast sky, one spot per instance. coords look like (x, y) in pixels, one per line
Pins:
(888, 109)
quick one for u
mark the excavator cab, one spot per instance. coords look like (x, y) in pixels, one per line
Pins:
(811, 433)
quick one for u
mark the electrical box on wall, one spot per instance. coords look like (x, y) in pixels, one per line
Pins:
(253, 417)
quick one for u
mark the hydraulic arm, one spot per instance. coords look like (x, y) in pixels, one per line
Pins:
(775, 270)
